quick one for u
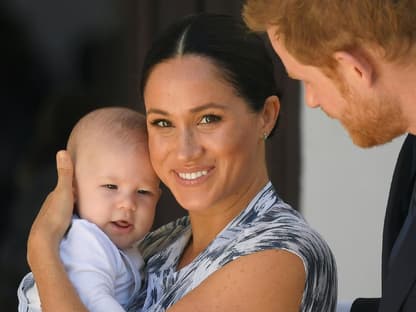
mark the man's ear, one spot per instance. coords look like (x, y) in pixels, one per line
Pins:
(355, 67)
(270, 113)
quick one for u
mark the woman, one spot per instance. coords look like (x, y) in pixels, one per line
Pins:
(211, 104)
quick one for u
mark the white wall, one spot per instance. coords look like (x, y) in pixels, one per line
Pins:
(344, 194)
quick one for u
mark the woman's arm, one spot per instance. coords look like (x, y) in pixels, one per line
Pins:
(55, 290)
(271, 280)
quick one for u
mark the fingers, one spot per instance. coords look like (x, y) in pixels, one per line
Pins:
(55, 214)
(62, 199)
(65, 170)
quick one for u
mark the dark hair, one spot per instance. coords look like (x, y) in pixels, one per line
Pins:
(240, 55)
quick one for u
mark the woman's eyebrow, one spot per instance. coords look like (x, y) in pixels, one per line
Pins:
(156, 111)
(193, 110)
(208, 106)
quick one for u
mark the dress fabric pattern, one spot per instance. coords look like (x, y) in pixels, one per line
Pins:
(267, 223)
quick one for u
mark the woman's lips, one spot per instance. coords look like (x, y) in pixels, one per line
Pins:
(192, 177)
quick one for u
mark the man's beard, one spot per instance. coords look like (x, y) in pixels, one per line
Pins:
(372, 122)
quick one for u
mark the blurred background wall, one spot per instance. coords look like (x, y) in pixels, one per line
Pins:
(61, 59)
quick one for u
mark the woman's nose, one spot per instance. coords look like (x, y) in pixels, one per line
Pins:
(188, 146)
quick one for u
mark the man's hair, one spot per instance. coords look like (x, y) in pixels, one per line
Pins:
(124, 124)
(313, 30)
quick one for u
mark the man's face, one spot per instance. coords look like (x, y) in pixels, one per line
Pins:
(369, 121)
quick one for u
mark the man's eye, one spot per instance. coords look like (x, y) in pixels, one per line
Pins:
(209, 119)
(162, 123)
(110, 186)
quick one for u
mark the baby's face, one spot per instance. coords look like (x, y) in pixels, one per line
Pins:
(117, 189)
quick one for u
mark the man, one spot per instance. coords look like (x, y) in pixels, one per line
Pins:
(357, 60)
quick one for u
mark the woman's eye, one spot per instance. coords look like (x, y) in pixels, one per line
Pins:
(162, 123)
(209, 119)
(110, 186)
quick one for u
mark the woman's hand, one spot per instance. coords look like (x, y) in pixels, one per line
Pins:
(55, 289)
(55, 214)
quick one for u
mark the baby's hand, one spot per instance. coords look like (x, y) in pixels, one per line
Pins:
(55, 214)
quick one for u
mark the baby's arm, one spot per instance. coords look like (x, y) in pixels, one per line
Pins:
(93, 264)
(28, 295)
(90, 268)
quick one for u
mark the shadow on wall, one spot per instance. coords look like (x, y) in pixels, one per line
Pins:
(41, 102)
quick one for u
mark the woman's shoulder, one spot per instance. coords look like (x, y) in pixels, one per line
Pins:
(276, 225)
(283, 227)
(270, 223)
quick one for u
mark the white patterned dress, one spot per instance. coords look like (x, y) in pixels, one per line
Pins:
(266, 223)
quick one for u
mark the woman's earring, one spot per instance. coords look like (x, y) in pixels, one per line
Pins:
(265, 136)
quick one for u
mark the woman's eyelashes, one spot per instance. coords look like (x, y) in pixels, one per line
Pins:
(210, 118)
(205, 119)
(161, 123)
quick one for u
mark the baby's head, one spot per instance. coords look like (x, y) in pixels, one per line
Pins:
(115, 186)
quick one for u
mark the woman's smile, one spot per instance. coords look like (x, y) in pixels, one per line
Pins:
(192, 175)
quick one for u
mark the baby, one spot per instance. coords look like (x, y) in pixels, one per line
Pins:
(115, 194)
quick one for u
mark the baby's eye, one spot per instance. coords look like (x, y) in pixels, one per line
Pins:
(209, 119)
(143, 192)
(110, 186)
(162, 123)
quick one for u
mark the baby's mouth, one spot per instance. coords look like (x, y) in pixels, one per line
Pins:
(121, 224)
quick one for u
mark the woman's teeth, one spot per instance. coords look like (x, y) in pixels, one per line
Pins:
(193, 175)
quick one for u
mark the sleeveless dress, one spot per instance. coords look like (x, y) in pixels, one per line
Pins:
(267, 223)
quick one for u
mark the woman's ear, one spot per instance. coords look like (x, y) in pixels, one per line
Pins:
(270, 113)
(356, 67)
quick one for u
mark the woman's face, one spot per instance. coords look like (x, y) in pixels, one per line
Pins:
(205, 143)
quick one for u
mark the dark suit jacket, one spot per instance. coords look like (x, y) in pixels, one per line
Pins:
(399, 271)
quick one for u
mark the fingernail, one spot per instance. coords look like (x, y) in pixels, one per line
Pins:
(60, 156)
